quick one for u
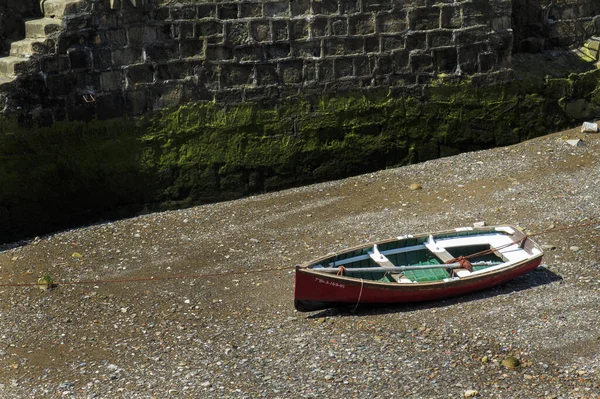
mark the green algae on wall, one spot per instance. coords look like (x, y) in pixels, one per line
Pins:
(74, 172)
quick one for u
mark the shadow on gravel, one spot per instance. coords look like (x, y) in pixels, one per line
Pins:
(538, 277)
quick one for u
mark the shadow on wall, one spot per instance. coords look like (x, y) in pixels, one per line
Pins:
(12, 16)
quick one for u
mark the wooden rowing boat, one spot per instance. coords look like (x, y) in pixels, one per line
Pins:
(416, 268)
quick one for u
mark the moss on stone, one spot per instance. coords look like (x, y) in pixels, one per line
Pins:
(76, 172)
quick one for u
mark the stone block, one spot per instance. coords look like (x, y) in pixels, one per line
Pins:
(334, 46)
(277, 51)
(61, 85)
(416, 40)
(390, 43)
(349, 7)
(501, 23)
(487, 61)
(450, 17)
(141, 73)
(291, 71)
(208, 76)
(355, 45)
(260, 30)
(206, 11)
(363, 24)
(227, 11)
(137, 101)
(339, 26)
(424, 18)
(471, 35)
(191, 92)
(445, 59)
(143, 34)
(308, 49)
(260, 94)
(184, 30)
(80, 58)
(182, 12)
(325, 71)
(467, 57)
(102, 58)
(175, 70)
(266, 75)
(377, 5)
(344, 67)
(161, 13)
(280, 30)
(218, 52)
(161, 52)
(229, 96)
(111, 80)
(209, 28)
(299, 7)
(251, 53)
(401, 61)
(191, 48)
(127, 56)
(372, 44)
(114, 38)
(251, 10)
(440, 38)
(385, 64)
(166, 32)
(309, 70)
(237, 33)
(392, 22)
(325, 7)
(166, 96)
(276, 9)
(55, 64)
(364, 66)
(299, 29)
(319, 27)
(420, 62)
(236, 75)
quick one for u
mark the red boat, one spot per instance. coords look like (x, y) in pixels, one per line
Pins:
(416, 268)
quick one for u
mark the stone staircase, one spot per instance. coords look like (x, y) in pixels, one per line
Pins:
(590, 51)
(40, 38)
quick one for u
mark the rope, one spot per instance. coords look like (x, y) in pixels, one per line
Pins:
(203, 275)
(359, 295)
(138, 279)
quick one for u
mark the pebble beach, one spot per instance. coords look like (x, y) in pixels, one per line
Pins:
(198, 303)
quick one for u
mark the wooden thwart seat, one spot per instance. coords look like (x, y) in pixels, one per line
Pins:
(438, 251)
(380, 258)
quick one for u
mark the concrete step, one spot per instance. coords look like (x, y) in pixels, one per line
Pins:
(30, 47)
(6, 79)
(60, 8)
(41, 28)
(10, 66)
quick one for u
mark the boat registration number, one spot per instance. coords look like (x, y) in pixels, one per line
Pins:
(332, 283)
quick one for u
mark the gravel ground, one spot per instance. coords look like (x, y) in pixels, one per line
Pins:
(237, 335)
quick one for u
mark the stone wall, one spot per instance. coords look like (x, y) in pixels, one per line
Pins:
(115, 57)
(122, 57)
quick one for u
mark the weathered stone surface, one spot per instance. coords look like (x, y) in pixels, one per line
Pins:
(316, 45)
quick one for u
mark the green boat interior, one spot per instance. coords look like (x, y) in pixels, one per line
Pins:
(429, 254)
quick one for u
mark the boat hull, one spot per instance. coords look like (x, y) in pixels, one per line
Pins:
(314, 290)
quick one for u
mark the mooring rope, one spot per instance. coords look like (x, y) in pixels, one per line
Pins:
(359, 295)
(139, 279)
(218, 274)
